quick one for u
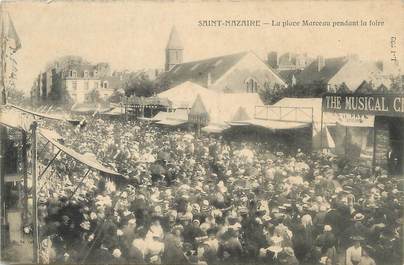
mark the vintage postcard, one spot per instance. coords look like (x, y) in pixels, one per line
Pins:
(201, 132)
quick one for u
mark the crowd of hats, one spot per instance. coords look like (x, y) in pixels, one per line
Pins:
(210, 200)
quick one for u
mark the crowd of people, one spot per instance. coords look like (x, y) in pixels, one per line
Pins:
(184, 199)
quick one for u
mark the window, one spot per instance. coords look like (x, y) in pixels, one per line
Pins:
(95, 73)
(71, 73)
(105, 84)
(86, 74)
(95, 85)
(74, 73)
(251, 86)
(74, 84)
(86, 85)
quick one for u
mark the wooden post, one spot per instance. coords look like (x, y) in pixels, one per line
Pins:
(374, 145)
(321, 128)
(34, 169)
(3, 139)
(346, 140)
(24, 171)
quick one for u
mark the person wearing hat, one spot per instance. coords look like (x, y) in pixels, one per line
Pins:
(128, 236)
(230, 248)
(288, 257)
(353, 254)
(303, 238)
(327, 244)
(357, 228)
(192, 232)
(173, 253)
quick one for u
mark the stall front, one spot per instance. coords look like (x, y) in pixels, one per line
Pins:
(378, 136)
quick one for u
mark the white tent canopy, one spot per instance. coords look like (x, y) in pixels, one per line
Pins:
(222, 108)
(184, 95)
(175, 118)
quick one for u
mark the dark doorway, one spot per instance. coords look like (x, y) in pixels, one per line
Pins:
(396, 157)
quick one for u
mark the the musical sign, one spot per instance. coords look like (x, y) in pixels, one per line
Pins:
(375, 104)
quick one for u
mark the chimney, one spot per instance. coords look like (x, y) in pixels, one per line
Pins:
(352, 56)
(379, 65)
(209, 83)
(320, 63)
(273, 59)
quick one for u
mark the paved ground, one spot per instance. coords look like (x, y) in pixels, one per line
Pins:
(20, 252)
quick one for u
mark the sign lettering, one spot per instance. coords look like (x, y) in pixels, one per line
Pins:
(377, 104)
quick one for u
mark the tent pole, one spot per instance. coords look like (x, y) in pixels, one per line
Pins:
(374, 145)
(34, 193)
(48, 165)
(81, 182)
(43, 148)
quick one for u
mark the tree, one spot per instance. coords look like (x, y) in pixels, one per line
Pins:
(343, 89)
(397, 84)
(138, 84)
(15, 96)
(162, 83)
(116, 96)
(270, 95)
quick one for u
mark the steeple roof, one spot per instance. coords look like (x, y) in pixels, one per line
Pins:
(174, 41)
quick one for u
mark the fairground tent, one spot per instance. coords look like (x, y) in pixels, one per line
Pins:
(222, 108)
(309, 110)
(57, 117)
(91, 162)
(174, 118)
(90, 108)
(117, 111)
(184, 95)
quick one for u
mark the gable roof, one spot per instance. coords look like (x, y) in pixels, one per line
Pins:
(174, 41)
(198, 71)
(311, 74)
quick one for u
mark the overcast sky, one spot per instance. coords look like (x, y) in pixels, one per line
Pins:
(133, 35)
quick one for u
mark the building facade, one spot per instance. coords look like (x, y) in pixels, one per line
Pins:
(242, 72)
(74, 81)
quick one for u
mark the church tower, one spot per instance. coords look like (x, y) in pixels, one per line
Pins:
(174, 50)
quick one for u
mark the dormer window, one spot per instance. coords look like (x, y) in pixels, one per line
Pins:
(86, 74)
(71, 73)
(105, 84)
(74, 73)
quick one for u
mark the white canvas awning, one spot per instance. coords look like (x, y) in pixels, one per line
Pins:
(214, 128)
(184, 95)
(172, 122)
(278, 125)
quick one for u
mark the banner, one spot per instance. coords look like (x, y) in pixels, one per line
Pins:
(372, 104)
